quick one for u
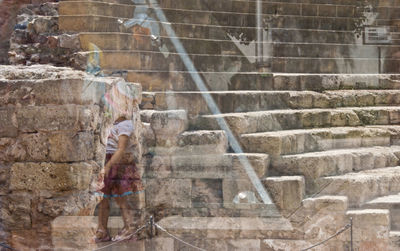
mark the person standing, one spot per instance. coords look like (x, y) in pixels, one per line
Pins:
(121, 179)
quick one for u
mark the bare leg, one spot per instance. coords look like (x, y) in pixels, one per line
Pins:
(125, 211)
(104, 212)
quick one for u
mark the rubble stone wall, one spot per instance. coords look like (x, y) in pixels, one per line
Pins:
(53, 131)
(9, 10)
(36, 38)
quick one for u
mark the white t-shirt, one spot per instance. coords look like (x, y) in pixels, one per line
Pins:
(122, 128)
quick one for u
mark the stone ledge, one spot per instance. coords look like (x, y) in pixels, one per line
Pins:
(48, 85)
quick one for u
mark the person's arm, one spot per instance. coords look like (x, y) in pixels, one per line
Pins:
(122, 145)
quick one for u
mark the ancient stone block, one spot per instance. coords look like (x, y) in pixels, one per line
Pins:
(327, 10)
(69, 41)
(167, 125)
(11, 150)
(59, 147)
(304, 100)
(99, 151)
(80, 89)
(16, 210)
(273, 144)
(157, 166)
(4, 179)
(344, 119)
(202, 142)
(312, 119)
(74, 232)
(68, 147)
(207, 193)
(328, 203)
(370, 228)
(345, 11)
(36, 146)
(43, 24)
(259, 163)
(240, 194)
(323, 216)
(8, 125)
(287, 191)
(147, 137)
(323, 101)
(50, 176)
(394, 117)
(78, 203)
(55, 118)
(175, 193)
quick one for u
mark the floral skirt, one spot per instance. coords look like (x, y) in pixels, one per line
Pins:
(122, 180)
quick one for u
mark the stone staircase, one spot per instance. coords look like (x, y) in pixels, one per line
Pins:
(327, 109)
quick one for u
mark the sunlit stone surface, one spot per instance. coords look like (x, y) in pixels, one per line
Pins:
(317, 119)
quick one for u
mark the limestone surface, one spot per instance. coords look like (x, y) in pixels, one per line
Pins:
(54, 124)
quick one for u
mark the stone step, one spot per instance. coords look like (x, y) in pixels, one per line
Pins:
(204, 32)
(207, 166)
(311, 19)
(363, 186)
(226, 227)
(219, 32)
(275, 120)
(315, 140)
(337, 65)
(227, 19)
(390, 202)
(325, 18)
(334, 162)
(201, 142)
(165, 60)
(162, 61)
(232, 81)
(320, 2)
(79, 23)
(95, 8)
(245, 101)
(108, 1)
(314, 50)
(323, 36)
(276, 7)
(320, 82)
(137, 42)
(195, 143)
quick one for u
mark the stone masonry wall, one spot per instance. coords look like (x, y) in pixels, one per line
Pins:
(53, 131)
(8, 12)
(36, 38)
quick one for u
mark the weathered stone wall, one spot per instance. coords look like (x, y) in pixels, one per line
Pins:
(53, 131)
(36, 38)
(8, 18)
